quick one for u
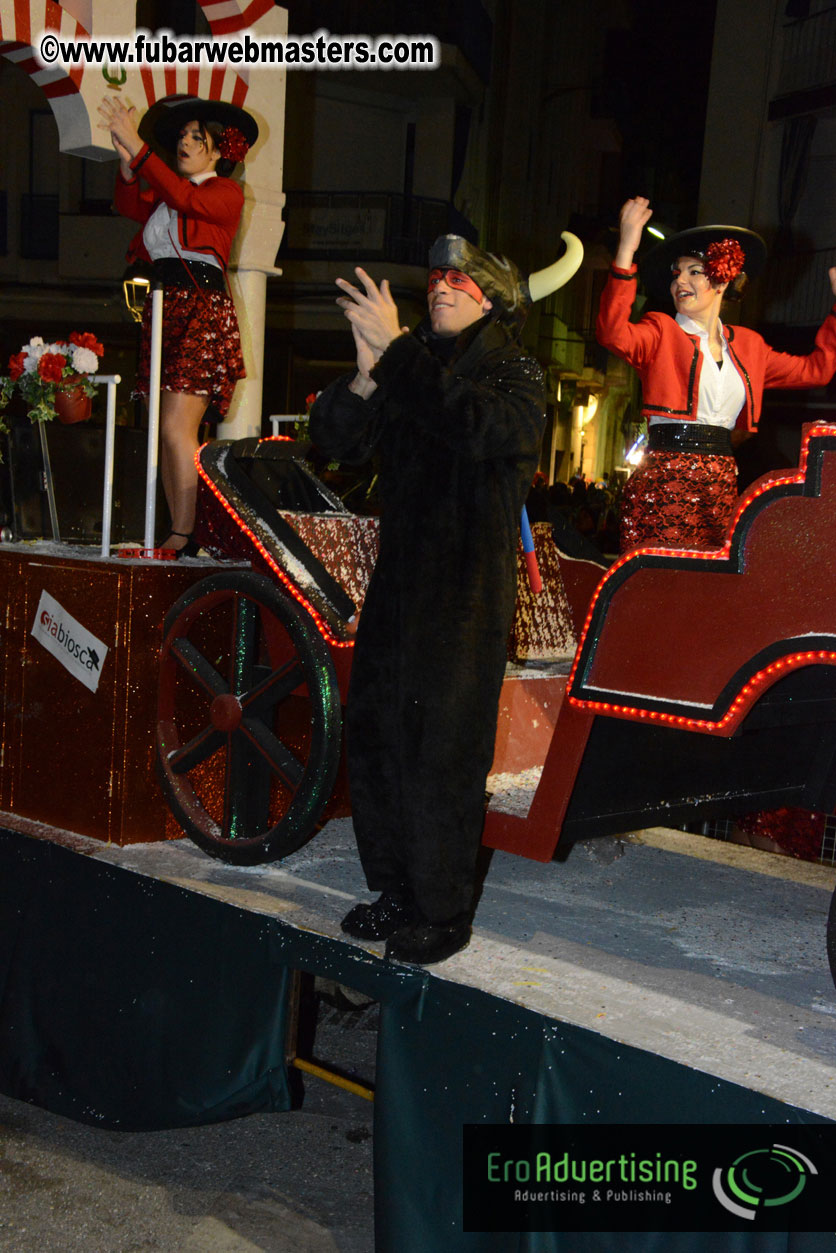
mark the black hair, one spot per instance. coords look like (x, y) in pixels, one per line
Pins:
(215, 130)
(736, 288)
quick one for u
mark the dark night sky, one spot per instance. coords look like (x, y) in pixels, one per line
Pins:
(657, 92)
(654, 81)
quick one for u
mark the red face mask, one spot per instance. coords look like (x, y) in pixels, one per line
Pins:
(458, 282)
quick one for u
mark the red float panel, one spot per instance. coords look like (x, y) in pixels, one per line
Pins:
(73, 757)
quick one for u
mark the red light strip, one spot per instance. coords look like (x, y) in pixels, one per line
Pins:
(319, 622)
(792, 662)
(739, 706)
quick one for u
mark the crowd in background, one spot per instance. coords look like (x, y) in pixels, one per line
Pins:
(584, 514)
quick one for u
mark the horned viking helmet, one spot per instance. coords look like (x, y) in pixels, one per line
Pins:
(500, 279)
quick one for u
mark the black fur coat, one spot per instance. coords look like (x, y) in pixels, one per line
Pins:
(459, 439)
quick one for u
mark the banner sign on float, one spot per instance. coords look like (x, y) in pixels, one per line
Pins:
(72, 644)
(662, 1177)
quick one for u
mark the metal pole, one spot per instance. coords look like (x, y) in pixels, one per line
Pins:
(110, 441)
(50, 491)
(153, 412)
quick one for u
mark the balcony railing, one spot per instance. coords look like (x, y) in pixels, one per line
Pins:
(384, 226)
(809, 55)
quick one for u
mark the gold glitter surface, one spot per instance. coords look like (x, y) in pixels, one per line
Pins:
(542, 629)
(346, 545)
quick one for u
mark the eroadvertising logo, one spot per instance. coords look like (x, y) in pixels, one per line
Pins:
(762, 1177)
(660, 1177)
(72, 644)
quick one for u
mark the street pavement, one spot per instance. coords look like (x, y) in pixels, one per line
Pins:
(296, 1182)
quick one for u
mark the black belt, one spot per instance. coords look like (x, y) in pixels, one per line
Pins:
(689, 437)
(178, 272)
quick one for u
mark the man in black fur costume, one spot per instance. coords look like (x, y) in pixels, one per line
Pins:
(455, 411)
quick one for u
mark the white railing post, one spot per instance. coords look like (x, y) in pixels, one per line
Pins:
(153, 413)
(110, 444)
(277, 420)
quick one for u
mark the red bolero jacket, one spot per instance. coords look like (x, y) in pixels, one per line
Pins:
(669, 361)
(208, 213)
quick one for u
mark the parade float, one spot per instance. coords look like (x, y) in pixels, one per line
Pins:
(147, 978)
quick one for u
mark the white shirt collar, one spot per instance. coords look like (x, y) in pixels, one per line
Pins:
(690, 327)
(201, 178)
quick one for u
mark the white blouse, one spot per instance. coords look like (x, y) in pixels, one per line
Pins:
(722, 393)
(160, 232)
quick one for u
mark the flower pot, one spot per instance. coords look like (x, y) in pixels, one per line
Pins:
(73, 405)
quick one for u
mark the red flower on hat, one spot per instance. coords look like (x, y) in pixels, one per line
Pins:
(724, 260)
(233, 144)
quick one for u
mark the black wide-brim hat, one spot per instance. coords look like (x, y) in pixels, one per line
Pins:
(169, 119)
(655, 268)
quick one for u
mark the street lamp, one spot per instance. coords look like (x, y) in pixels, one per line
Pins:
(135, 287)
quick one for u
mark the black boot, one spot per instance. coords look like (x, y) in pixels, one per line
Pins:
(423, 943)
(381, 918)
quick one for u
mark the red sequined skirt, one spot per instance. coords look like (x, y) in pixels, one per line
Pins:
(201, 345)
(679, 500)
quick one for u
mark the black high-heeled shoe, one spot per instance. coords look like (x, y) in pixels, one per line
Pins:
(190, 549)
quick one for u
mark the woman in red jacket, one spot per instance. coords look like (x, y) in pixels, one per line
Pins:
(189, 219)
(702, 382)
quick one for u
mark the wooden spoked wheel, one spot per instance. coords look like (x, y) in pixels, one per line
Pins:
(249, 720)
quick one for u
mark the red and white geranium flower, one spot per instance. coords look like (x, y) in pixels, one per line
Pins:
(40, 370)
